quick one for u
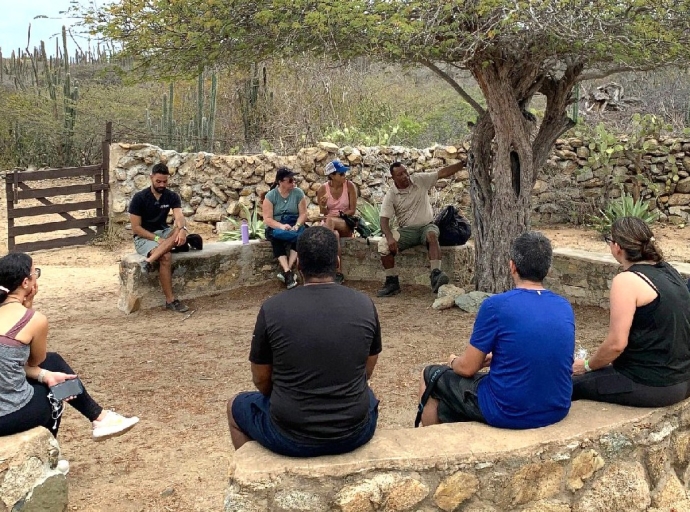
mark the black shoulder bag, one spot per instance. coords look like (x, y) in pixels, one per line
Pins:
(427, 392)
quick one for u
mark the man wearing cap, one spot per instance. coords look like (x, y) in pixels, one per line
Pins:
(337, 196)
(408, 201)
(153, 238)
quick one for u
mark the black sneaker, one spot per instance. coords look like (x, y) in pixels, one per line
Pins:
(176, 306)
(339, 277)
(281, 276)
(290, 280)
(391, 287)
(438, 278)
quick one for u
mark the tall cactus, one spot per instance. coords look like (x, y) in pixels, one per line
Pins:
(253, 97)
(195, 135)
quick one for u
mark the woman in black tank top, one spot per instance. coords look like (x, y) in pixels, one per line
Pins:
(645, 359)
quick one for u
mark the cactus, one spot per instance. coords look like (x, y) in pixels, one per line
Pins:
(252, 98)
(195, 135)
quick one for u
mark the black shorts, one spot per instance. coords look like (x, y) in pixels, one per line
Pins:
(457, 395)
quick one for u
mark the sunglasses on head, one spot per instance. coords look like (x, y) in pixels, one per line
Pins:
(36, 272)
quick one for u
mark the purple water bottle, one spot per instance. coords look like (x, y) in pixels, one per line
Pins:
(244, 230)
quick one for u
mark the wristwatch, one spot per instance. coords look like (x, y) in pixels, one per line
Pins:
(185, 228)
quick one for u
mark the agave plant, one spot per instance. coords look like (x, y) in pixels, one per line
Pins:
(257, 227)
(624, 206)
(371, 215)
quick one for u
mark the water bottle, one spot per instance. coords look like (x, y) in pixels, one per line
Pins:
(244, 230)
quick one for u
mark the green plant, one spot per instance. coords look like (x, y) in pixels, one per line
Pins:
(257, 227)
(624, 206)
(371, 214)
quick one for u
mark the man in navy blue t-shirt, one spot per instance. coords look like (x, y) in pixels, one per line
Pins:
(526, 337)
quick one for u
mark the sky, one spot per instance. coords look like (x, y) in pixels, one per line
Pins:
(17, 14)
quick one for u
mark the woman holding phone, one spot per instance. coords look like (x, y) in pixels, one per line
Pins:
(28, 371)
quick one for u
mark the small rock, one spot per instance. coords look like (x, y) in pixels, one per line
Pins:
(168, 492)
(470, 302)
(446, 302)
(450, 290)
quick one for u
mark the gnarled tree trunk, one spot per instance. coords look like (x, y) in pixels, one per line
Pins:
(506, 159)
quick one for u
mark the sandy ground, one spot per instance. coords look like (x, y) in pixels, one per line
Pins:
(176, 372)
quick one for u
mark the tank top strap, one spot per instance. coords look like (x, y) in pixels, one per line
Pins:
(21, 324)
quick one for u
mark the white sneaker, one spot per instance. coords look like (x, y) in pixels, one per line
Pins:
(63, 466)
(112, 424)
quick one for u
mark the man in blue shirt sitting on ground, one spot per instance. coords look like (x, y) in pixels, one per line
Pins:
(526, 337)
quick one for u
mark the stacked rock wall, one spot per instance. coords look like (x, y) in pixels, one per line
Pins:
(568, 190)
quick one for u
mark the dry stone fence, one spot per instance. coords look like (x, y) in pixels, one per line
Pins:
(569, 187)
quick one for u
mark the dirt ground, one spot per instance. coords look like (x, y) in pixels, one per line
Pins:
(176, 372)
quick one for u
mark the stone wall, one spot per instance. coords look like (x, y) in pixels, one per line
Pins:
(29, 480)
(213, 186)
(600, 458)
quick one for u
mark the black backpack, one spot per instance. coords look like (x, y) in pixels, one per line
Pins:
(455, 229)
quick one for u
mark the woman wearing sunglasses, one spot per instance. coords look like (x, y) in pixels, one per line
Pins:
(28, 371)
(645, 359)
(284, 208)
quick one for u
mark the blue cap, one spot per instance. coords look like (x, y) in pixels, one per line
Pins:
(335, 166)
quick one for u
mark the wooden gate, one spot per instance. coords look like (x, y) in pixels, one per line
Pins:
(91, 217)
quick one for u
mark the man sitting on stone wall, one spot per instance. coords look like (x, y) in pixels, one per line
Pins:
(153, 238)
(526, 336)
(408, 201)
(314, 348)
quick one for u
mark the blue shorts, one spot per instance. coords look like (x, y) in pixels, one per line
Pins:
(251, 414)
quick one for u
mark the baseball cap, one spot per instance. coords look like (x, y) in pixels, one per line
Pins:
(335, 166)
(283, 173)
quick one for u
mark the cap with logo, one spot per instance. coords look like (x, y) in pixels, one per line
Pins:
(335, 166)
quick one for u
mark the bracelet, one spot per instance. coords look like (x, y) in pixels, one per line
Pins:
(41, 375)
(185, 228)
(298, 225)
(587, 368)
(156, 238)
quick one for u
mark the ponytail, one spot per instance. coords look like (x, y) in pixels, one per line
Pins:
(4, 292)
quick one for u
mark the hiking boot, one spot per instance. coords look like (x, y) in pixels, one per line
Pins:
(438, 278)
(290, 280)
(390, 287)
(339, 277)
(112, 424)
(176, 306)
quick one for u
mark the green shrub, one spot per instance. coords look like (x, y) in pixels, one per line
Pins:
(371, 214)
(624, 206)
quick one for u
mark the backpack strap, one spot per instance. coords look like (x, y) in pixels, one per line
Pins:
(427, 393)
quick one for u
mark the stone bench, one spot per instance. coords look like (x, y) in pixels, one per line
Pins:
(601, 457)
(224, 266)
(29, 480)
(582, 277)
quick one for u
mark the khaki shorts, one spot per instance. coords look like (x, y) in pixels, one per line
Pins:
(144, 246)
(407, 237)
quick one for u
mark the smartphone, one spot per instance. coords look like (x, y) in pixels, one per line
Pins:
(72, 387)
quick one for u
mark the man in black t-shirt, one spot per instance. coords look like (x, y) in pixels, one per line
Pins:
(153, 238)
(314, 348)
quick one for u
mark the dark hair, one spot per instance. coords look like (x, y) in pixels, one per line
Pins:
(317, 252)
(160, 168)
(14, 268)
(532, 254)
(393, 166)
(281, 174)
(635, 237)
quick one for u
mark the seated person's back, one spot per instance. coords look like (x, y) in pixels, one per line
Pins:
(530, 334)
(313, 350)
(526, 336)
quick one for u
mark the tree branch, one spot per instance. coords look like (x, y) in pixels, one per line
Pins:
(456, 86)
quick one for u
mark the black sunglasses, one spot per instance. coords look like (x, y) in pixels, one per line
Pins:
(608, 239)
